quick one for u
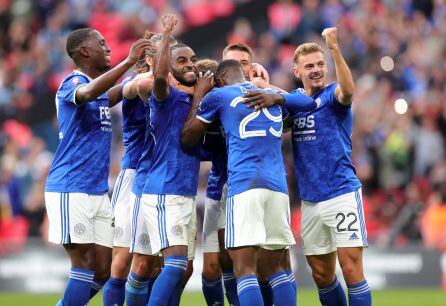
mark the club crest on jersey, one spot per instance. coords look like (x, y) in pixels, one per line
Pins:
(176, 230)
(118, 232)
(144, 240)
(79, 229)
(318, 102)
(75, 81)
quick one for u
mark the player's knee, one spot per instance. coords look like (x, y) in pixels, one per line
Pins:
(242, 269)
(142, 267)
(120, 267)
(322, 278)
(212, 270)
(189, 271)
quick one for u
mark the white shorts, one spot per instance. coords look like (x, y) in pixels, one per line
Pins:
(258, 217)
(332, 224)
(79, 218)
(140, 242)
(214, 220)
(171, 220)
(121, 203)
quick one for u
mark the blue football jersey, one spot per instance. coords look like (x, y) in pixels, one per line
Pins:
(253, 139)
(214, 143)
(174, 168)
(145, 160)
(82, 159)
(133, 128)
(322, 147)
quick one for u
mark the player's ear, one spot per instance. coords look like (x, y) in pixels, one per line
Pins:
(296, 71)
(84, 51)
(219, 82)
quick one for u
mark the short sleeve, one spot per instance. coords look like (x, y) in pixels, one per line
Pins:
(209, 107)
(71, 85)
(334, 100)
(299, 102)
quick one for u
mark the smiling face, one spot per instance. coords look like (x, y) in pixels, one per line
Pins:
(184, 65)
(240, 56)
(311, 68)
(99, 51)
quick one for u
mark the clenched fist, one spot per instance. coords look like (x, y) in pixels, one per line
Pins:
(169, 22)
(331, 37)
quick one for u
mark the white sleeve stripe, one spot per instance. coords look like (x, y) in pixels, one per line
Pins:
(202, 119)
(74, 95)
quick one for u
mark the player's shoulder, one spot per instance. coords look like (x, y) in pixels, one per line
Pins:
(298, 91)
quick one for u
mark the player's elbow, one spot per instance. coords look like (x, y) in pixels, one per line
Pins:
(144, 87)
(187, 139)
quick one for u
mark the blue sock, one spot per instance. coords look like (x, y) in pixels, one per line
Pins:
(292, 280)
(212, 291)
(283, 292)
(136, 293)
(359, 294)
(77, 291)
(248, 291)
(114, 292)
(333, 294)
(267, 293)
(150, 286)
(96, 286)
(168, 280)
(231, 288)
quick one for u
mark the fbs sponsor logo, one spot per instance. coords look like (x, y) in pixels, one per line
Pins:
(354, 237)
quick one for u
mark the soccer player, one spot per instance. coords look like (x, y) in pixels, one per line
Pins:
(333, 222)
(168, 198)
(258, 205)
(76, 199)
(130, 228)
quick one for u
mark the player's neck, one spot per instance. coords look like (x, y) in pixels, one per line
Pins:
(310, 91)
(184, 88)
(89, 71)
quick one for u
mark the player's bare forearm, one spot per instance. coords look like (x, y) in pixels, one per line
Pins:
(344, 92)
(130, 89)
(193, 128)
(344, 77)
(104, 82)
(162, 66)
(114, 95)
(261, 83)
(144, 88)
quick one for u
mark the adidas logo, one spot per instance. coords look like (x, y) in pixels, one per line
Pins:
(353, 237)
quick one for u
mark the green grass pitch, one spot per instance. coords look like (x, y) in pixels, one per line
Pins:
(408, 297)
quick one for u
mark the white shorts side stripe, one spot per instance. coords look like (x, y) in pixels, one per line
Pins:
(361, 218)
(118, 188)
(162, 221)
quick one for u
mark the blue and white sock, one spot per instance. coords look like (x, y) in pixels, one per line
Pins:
(267, 293)
(333, 294)
(136, 293)
(283, 292)
(96, 286)
(249, 291)
(167, 282)
(114, 292)
(292, 280)
(77, 290)
(230, 284)
(359, 294)
(212, 291)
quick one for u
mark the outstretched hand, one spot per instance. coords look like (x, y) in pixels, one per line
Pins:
(169, 22)
(138, 47)
(204, 82)
(259, 99)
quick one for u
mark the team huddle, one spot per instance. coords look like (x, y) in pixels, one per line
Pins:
(178, 111)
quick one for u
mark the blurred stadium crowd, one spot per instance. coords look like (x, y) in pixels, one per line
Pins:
(396, 50)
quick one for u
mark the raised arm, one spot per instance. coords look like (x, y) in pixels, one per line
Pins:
(104, 82)
(296, 102)
(114, 95)
(194, 128)
(345, 90)
(162, 66)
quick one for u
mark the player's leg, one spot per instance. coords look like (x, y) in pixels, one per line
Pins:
(348, 227)
(169, 221)
(103, 238)
(71, 227)
(139, 281)
(211, 278)
(245, 230)
(278, 237)
(319, 246)
(286, 265)
(122, 200)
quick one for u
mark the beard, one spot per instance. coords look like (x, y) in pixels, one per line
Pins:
(179, 77)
